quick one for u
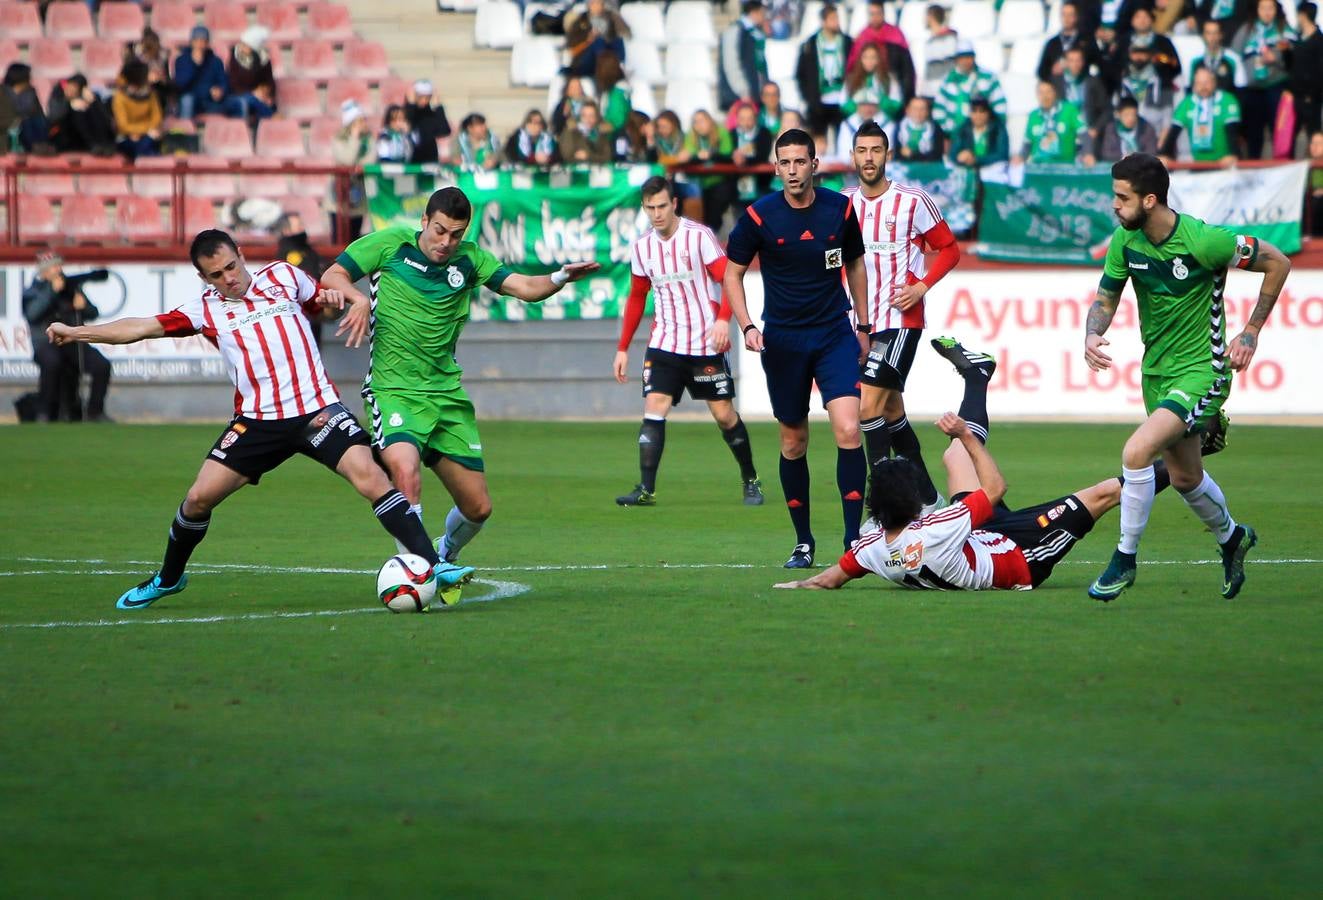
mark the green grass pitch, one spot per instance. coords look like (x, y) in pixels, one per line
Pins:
(642, 715)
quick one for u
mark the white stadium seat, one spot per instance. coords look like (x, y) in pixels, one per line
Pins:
(642, 99)
(1015, 128)
(643, 61)
(782, 57)
(811, 20)
(686, 97)
(690, 61)
(645, 22)
(858, 21)
(498, 24)
(990, 54)
(690, 22)
(1188, 49)
(534, 61)
(1021, 92)
(1020, 18)
(458, 5)
(1025, 54)
(973, 19)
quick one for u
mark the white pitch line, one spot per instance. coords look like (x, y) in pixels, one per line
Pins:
(502, 590)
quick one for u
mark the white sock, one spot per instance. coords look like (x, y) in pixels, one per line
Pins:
(459, 531)
(1208, 503)
(417, 509)
(1136, 504)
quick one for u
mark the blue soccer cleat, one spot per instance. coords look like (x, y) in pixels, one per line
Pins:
(449, 575)
(1119, 575)
(1234, 552)
(801, 557)
(147, 593)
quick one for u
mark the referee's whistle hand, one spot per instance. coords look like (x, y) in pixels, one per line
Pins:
(753, 340)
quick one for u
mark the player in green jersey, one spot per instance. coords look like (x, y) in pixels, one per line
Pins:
(423, 282)
(1178, 264)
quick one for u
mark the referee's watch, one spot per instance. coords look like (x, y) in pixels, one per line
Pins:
(863, 328)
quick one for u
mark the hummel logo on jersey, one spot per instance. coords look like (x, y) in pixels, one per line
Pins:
(806, 236)
(1135, 265)
(414, 264)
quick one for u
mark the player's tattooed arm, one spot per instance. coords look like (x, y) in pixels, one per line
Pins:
(121, 331)
(1099, 320)
(1275, 267)
(828, 579)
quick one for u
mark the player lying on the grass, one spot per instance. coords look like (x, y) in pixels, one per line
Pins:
(682, 263)
(284, 401)
(423, 282)
(1178, 264)
(977, 543)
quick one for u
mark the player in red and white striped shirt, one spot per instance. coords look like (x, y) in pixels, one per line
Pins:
(284, 403)
(976, 543)
(682, 263)
(898, 224)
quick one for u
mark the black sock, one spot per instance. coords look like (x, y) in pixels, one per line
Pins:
(185, 534)
(974, 406)
(877, 440)
(852, 479)
(1161, 477)
(652, 440)
(393, 512)
(795, 486)
(906, 443)
(737, 439)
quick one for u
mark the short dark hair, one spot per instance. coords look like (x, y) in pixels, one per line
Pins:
(451, 203)
(207, 243)
(937, 12)
(827, 9)
(894, 498)
(871, 129)
(472, 119)
(795, 137)
(1145, 173)
(749, 6)
(655, 185)
(980, 103)
(1127, 102)
(1308, 10)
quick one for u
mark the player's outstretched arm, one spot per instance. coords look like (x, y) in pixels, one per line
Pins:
(536, 288)
(1100, 319)
(1275, 267)
(335, 281)
(827, 579)
(121, 331)
(732, 290)
(990, 479)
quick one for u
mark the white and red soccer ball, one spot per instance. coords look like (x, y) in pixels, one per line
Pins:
(406, 583)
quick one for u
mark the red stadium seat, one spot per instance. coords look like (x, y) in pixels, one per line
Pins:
(36, 218)
(219, 186)
(300, 99)
(102, 60)
(278, 66)
(226, 21)
(85, 218)
(104, 185)
(280, 139)
(9, 51)
(227, 138)
(56, 184)
(282, 20)
(315, 59)
(140, 219)
(341, 89)
(173, 20)
(320, 136)
(20, 22)
(151, 177)
(330, 21)
(264, 187)
(310, 210)
(121, 22)
(199, 214)
(70, 20)
(367, 60)
(311, 185)
(394, 90)
(50, 58)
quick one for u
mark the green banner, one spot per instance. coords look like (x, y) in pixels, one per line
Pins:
(1058, 215)
(953, 188)
(534, 221)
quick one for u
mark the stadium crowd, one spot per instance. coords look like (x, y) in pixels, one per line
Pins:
(1110, 81)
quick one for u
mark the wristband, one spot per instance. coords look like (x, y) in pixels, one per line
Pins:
(746, 328)
(559, 277)
(863, 328)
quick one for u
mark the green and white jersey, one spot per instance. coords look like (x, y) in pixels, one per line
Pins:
(1052, 135)
(1179, 283)
(1205, 120)
(418, 307)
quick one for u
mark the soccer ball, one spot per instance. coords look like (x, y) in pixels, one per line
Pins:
(406, 583)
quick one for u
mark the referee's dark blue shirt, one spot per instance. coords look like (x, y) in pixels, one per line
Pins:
(802, 252)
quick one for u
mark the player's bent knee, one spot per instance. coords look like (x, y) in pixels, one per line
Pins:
(477, 510)
(1185, 481)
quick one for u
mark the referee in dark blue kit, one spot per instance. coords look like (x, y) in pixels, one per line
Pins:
(804, 237)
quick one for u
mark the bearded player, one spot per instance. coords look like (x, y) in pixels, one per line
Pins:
(898, 224)
(1179, 265)
(682, 263)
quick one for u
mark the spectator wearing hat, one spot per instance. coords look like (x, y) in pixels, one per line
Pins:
(965, 82)
(1128, 132)
(981, 139)
(1088, 93)
(200, 76)
(252, 82)
(353, 147)
(51, 297)
(742, 56)
(892, 41)
(1144, 80)
(531, 144)
(428, 120)
(1162, 52)
(820, 71)
(137, 113)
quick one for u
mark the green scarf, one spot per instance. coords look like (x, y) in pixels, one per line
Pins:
(831, 64)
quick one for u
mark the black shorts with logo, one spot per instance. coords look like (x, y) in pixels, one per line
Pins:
(253, 447)
(705, 377)
(1044, 533)
(890, 356)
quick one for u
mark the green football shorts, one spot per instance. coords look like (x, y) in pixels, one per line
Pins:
(438, 424)
(1196, 395)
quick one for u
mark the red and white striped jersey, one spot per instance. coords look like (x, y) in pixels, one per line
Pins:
(266, 341)
(944, 551)
(893, 225)
(684, 292)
